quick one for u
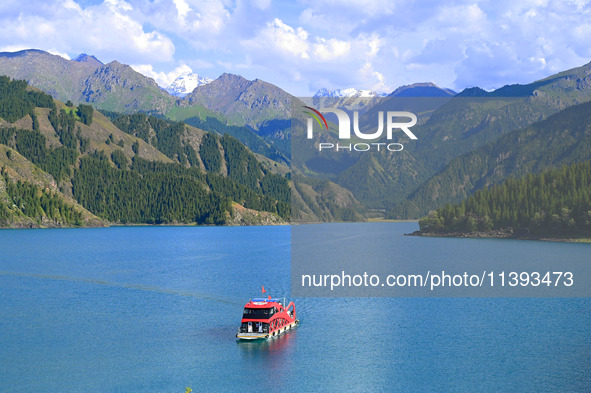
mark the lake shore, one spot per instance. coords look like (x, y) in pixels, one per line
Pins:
(502, 234)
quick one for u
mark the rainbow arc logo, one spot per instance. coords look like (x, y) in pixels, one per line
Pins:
(317, 116)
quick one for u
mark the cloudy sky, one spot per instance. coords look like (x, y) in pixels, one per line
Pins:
(303, 45)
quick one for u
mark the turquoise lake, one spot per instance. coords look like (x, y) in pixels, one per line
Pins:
(155, 309)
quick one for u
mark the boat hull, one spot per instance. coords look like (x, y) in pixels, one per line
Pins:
(264, 336)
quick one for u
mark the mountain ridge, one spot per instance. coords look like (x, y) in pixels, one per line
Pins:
(262, 112)
(350, 92)
(90, 161)
(562, 139)
(422, 89)
(84, 58)
(461, 124)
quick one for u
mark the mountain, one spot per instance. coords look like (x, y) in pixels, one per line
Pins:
(259, 110)
(263, 108)
(113, 86)
(84, 58)
(61, 78)
(561, 139)
(136, 169)
(259, 114)
(351, 92)
(459, 125)
(241, 101)
(185, 84)
(426, 89)
(118, 87)
(315, 200)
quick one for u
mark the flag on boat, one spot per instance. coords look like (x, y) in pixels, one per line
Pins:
(264, 289)
(269, 297)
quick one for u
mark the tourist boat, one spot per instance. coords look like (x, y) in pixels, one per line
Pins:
(264, 318)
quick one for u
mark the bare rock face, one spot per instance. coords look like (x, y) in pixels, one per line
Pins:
(243, 216)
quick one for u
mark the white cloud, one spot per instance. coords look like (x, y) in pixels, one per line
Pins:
(182, 9)
(198, 22)
(311, 43)
(330, 49)
(283, 38)
(72, 5)
(373, 80)
(58, 53)
(473, 19)
(118, 4)
(107, 30)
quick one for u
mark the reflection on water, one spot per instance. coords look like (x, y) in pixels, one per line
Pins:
(282, 343)
(273, 357)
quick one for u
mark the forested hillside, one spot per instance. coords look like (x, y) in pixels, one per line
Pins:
(462, 125)
(117, 171)
(553, 203)
(25, 200)
(247, 136)
(564, 138)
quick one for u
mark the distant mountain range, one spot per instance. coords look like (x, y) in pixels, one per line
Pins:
(424, 176)
(50, 147)
(415, 90)
(427, 89)
(260, 110)
(113, 86)
(562, 139)
(253, 106)
(350, 92)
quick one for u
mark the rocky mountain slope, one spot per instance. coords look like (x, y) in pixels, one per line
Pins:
(113, 86)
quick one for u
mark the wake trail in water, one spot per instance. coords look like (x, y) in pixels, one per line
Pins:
(140, 287)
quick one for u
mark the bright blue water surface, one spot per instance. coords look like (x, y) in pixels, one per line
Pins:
(155, 309)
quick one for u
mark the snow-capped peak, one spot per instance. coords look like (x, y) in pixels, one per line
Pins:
(186, 83)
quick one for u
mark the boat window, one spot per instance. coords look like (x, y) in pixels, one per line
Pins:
(254, 327)
(257, 313)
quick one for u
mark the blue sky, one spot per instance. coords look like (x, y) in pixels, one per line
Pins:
(303, 45)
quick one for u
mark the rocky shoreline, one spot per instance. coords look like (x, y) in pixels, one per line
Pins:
(505, 233)
(493, 234)
(239, 216)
